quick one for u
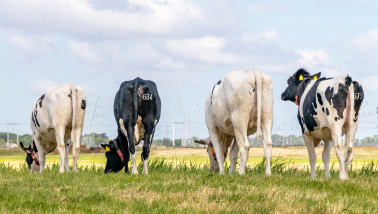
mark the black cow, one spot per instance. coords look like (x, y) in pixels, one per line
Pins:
(137, 109)
(328, 109)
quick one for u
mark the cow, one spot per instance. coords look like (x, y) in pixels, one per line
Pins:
(234, 110)
(115, 159)
(328, 109)
(57, 116)
(137, 108)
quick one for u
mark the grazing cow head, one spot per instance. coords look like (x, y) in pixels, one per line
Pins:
(295, 85)
(210, 151)
(114, 157)
(31, 156)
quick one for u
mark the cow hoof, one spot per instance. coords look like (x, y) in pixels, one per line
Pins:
(145, 172)
(135, 172)
(327, 176)
(269, 173)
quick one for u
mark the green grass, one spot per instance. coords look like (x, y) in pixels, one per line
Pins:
(187, 187)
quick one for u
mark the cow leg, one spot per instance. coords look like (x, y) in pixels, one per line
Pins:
(130, 138)
(233, 156)
(66, 159)
(267, 141)
(242, 141)
(311, 153)
(326, 156)
(41, 155)
(214, 139)
(59, 135)
(337, 140)
(146, 150)
(351, 130)
(75, 138)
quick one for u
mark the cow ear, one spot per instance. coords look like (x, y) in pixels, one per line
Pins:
(316, 76)
(22, 146)
(203, 142)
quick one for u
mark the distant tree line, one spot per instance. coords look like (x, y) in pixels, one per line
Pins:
(95, 139)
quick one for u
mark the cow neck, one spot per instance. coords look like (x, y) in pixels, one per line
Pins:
(118, 151)
(35, 158)
(213, 152)
(300, 91)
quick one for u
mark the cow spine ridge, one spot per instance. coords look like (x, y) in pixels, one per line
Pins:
(258, 80)
(135, 96)
(73, 98)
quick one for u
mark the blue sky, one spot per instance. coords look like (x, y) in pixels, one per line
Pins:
(185, 47)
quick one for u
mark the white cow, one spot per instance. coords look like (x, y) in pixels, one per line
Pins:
(234, 110)
(56, 117)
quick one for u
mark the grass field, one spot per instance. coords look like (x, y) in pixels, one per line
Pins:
(180, 182)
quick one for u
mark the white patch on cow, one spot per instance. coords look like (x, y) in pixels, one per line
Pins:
(136, 133)
(155, 122)
(123, 129)
(133, 162)
(145, 169)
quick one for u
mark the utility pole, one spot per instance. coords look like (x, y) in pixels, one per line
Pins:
(173, 133)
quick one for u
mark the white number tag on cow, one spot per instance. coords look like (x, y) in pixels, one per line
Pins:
(147, 97)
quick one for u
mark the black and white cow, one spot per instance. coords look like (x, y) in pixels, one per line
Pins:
(57, 117)
(239, 105)
(328, 109)
(137, 109)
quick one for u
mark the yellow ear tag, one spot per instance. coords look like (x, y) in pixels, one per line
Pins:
(107, 149)
(315, 77)
(301, 77)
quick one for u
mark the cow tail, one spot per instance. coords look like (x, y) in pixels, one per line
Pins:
(258, 80)
(135, 97)
(348, 82)
(73, 98)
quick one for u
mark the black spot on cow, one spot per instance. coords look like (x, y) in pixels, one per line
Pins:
(249, 93)
(327, 111)
(338, 99)
(83, 104)
(219, 82)
(253, 90)
(358, 98)
(40, 100)
(319, 99)
(309, 106)
(69, 95)
(35, 120)
(323, 109)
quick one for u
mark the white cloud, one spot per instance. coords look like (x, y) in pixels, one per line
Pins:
(205, 49)
(81, 17)
(169, 64)
(366, 43)
(83, 50)
(22, 42)
(312, 58)
(40, 86)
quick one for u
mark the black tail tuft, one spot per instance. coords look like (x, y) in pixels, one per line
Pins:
(348, 80)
